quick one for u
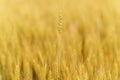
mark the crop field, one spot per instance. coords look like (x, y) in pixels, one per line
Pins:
(59, 39)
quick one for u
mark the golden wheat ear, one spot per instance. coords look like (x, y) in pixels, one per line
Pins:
(59, 39)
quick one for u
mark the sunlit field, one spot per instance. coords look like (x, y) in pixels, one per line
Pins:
(59, 40)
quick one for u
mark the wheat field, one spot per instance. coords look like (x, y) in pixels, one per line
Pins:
(59, 40)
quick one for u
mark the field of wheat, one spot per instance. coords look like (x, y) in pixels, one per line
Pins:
(59, 40)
